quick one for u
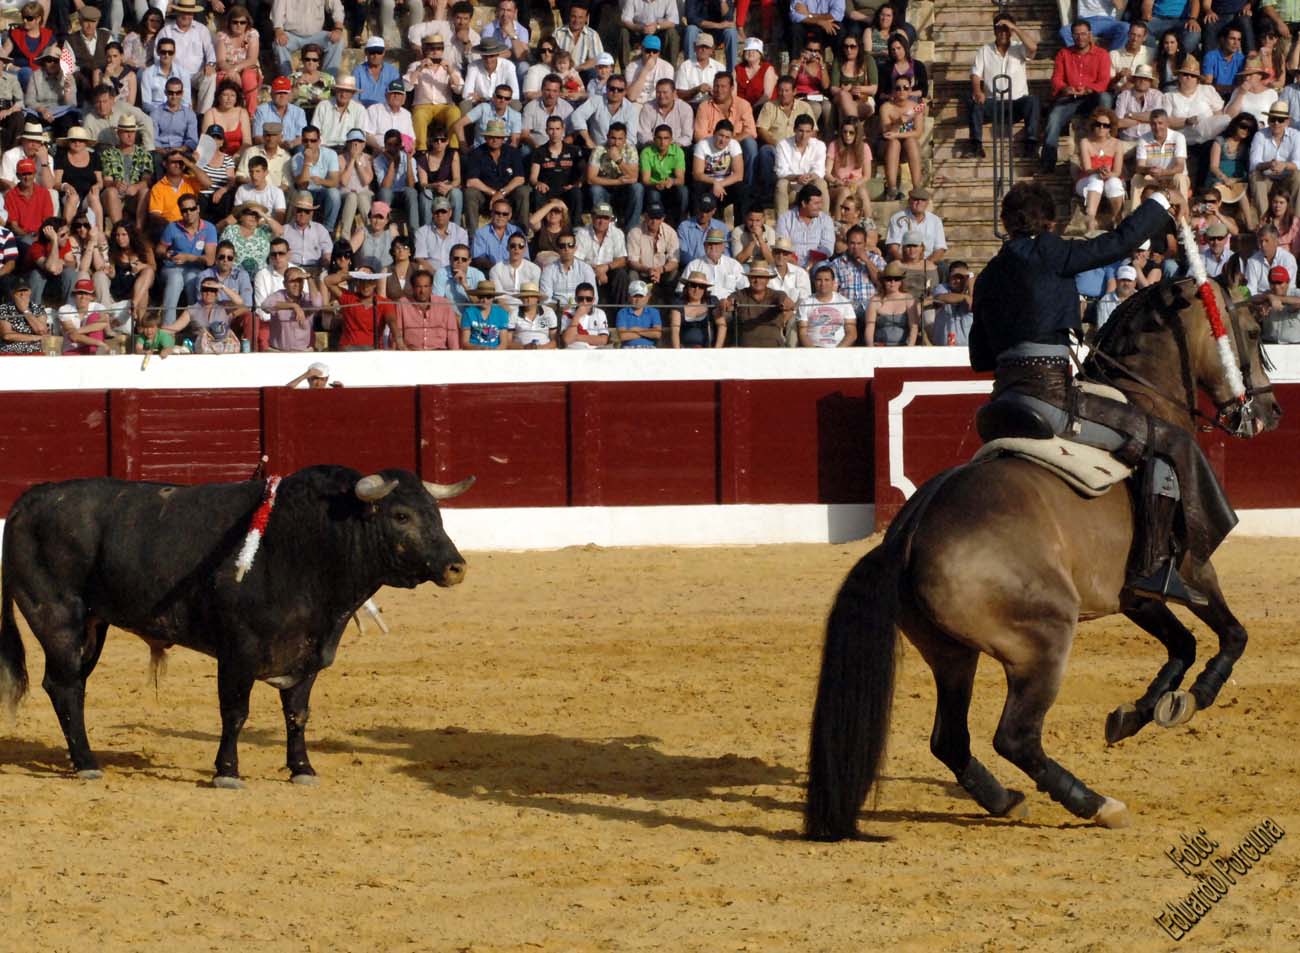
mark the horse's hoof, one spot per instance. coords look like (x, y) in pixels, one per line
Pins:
(1174, 708)
(1018, 809)
(1124, 722)
(1113, 814)
(227, 783)
(306, 780)
(90, 774)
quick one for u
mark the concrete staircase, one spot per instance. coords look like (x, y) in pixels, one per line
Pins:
(963, 187)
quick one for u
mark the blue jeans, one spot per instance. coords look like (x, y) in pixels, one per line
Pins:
(1210, 32)
(38, 279)
(456, 197)
(625, 198)
(175, 279)
(1158, 25)
(333, 51)
(764, 180)
(729, 39)
(1106, 31)
(749, 152)
(329, 202)
(410, 198)
(1061, 114)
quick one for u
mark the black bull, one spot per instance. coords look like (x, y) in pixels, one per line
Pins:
(160, 561)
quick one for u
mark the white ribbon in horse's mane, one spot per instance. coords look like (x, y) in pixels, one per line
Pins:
(1231, 370)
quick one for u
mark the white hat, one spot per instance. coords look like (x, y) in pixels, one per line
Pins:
(1145, 246)
(637, 289)
(1126, 273)
(754, 43)
(604, 59)
(319, 368)
(375, 43)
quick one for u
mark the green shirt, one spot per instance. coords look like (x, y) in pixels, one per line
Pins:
(662, 168)
(113, 164)
(1288, 10)
(162, 339)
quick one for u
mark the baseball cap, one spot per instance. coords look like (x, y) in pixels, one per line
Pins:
(604, 59)
(1126, 273)
(88, 287)
(754, 43)
(282, 84)
(441, 203)
(603, 210)
(638, 289)
(356, 135)
(1276, 273)
(272, 128)
(704, 40)
(913, 238)
(397, 86)
(26, 166)
(653, 209)
(651, 43)
(1217, 230)
(919, 193)
(708, 202)
(374, 43)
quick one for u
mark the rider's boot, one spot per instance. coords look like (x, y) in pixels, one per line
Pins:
(1157, 574)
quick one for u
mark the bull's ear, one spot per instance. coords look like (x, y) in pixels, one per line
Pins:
(371, 489)
(446, 491)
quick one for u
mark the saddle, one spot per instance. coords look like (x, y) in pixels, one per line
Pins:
(1016, 430)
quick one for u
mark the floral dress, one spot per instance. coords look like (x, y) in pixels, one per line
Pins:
(18, 323)
(250, 250)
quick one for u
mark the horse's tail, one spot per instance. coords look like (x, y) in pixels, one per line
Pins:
(854, 694)
(13, 658)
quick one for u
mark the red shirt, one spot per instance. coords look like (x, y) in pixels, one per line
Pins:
(1091, 69)
(359, 319)
(38, 250)
(28, 213)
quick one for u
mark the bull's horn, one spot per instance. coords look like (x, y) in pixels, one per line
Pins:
(446, 491)
(371, 489)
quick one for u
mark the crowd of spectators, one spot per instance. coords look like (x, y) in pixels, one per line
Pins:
(633, 173)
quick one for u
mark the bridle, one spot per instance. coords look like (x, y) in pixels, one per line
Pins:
(1235, 416)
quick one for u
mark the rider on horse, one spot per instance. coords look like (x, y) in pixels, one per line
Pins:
(1025, 308)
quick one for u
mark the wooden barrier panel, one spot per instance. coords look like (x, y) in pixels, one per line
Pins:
(51, 435)
(368, 428)
(185, 436)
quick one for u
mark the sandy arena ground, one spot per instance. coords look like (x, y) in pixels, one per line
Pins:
(603, 750)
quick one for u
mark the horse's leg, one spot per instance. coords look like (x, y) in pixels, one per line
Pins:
(953, 665)
(1178, 707)
(1032, 683)
(294, 701)
(1154, 617)
(71, 652)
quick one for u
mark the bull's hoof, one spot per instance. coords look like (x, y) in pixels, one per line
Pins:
(306, 780)
(1017, 808)
(90, 774)
(1124, 722)
(1174, 708)
(227, 783)
(1113, 814)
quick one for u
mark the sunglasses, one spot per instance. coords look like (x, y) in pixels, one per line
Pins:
(1277, 120)
(514, 246)
(189, 208)
(209, 291)
(225, 258)
(892, 278)
(439, 138)
(30, 19)
(245, 22)
(850, 46)
(80, 225)
(1101, 125)
(460, 258)
(277, 254)
(311, 141)
(497, 211)
(586, 299)
(305, 59)
(617, 89)
(568, 244)
(166, 52)
(175, 92)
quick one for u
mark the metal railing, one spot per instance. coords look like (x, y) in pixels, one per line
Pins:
(1004, 165)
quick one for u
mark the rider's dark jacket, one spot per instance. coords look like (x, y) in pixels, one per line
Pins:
(1027, 293)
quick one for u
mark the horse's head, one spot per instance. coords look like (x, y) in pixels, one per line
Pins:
(1255, 411)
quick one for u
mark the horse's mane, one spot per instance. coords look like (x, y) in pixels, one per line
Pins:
(1148, 309)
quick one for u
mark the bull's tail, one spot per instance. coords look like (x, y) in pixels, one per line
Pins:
(854, 695)
(157, 664)
(13, 658)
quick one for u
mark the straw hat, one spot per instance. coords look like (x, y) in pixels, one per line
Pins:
(78, 134)
(484, 289)
(529, 289)
(698, 278)
(255, 207)
(784, 244)
(346, 82)
(894, 269)
(35, 132)
(186, 6)
(1190, 67)
(761, 270)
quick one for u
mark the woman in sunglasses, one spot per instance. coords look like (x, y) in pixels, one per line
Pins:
(138, 44)
(311, 85)
(238, 47)
(27, 41)
(1101, 164)
(437, 174)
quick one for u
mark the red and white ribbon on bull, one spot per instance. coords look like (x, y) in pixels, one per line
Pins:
(253, 540)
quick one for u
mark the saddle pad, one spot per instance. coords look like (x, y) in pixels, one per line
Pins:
(1101, 390)
(1088, 470)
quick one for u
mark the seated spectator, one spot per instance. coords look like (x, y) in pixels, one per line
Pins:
(1002, 57)
(1269, 254)
(857, 270)
(495, 170)
(584, 325)
(132, 268)
(638, 324)
(22, 326)
(309, 242)
(719, 169)
(808, 227)
(886, 23)
(292, 311)
(84, 321)
(425, 321)
(725, 274)
(1282, 216)
(51, 95)
(233, 281)
(533, 324)
(816, 19)
(951, 302)
(539, 112)
(1103, 19)
(901, 65)
(1125, 285)
(1279, 308)
(375, 241)
(459, 35)
(695, 76)
(1080, 82)
(850, 214)
(260, 192)
(512, 273)
(511, 33)
(438, 177)
(714, 20)
(361, 304)
(663, 173)
(29, 40)
(698, 319)
(1220, 16)
(9, 257)
(434, 241)
(902, 123)
(1125, 60)
(229, 113)
(1170, 59)
(269, 277)
(756, 77)
(315, 172)
(437, 87)
(390, 114)
(691, 231)
(761, 316)
(1270, 52)
(649, 20)
(250, 235)
(1274, 154)
(206, 308)
(543, 65)
(277, 159)
(752, 239)
(187, 247)
(555, 173)
(612, 175)
(1217, 250)
(150, 338)
(484, 325)
(800, 162)
(1174, 15)
(487, 73)
(572, 89)
(854, 81)
(1101, 165)
(893, 317)
(395, 179)
(1134, 104)
(652, 251)
(400, 271)
(603, 246)
(826, 319)
(1195, 109)
(491, 241)
(724, 104)
(373, 74)
(333, 282)
(175, 124)
(789, 278)
(1253, 96)
(917, 217)
(101, 120)
(339, 116)
(1160, 159)
(455, 281)
(289, 117)
(497, 108)
(666, 110)
(812, 82)
(28, 207)
(217, 198)
(775, 124)
(311, 86)
(300, 22)
(1221, 64)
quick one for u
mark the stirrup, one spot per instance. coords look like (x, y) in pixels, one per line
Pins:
(1167, 586)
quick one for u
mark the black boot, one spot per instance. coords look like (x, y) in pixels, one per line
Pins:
(1156, 557)
(1047, 161)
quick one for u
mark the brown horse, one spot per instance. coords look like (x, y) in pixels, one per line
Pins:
(1002, 557)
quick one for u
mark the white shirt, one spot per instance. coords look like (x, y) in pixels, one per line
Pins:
(595, 322)
(1122, 59)
(690, 75)
(510, 279)
(1164, 154)
(193, 46)
(662, 70)
(1201, 105)
(989, 63)
(535, 330)
(335, 126)
(270, 198)
(479, 82)
(795, 285)
(9, 163)
(727, 276)
(825, 321)
(790, 161)
(930, 227)
(266, 282)
(379, 119)
(1263, 149)
(595, 252)
(1257, 269)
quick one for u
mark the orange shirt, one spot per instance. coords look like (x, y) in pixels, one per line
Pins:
(741, 115)
(164, 199)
